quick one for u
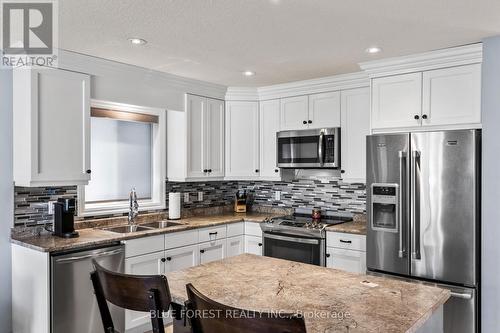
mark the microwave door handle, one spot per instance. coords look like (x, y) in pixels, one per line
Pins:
(402, 159)
(415, 215)
(320, 148)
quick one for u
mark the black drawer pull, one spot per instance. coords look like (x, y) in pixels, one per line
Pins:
(169, 258)
(309, 121)
(205, 170)
(163, 260)
(260, 244)
(328, 255)
(89, 171)
(276, 170)
(202, 251)
(212, 233)
(345, 241)
(304, 122)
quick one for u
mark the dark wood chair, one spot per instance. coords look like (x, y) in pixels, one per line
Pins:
(220, 318)
(133, 292)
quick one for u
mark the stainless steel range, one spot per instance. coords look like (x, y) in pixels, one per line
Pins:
(299, 237)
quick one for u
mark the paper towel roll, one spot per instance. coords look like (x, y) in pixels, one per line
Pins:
(174, 206)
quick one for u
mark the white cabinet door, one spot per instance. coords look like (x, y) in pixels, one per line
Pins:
(294, 112)
(242, 140)
(253, 245)
(396, 101)
(355, 127)
(269, 125)
(148, 264)
(346, 260)
(196, 114)
(181, 258)
(324, 110)
(214, 147)
(235, 246)
(51, 127)
(211, 251)
(452, 96)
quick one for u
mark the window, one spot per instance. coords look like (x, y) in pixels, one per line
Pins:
(127, 149)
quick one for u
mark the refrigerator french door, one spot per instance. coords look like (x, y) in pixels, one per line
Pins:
(423, 211)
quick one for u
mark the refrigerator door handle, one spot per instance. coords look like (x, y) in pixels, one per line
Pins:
(402, 159)
(415, 219)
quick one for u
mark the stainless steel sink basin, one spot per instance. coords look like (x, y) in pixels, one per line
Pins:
(125, 229)
(161, 224)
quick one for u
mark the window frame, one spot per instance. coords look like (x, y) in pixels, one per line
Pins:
(158, 163)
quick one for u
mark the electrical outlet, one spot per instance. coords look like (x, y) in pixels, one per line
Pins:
(186, 197)
(200, 196)
(277, 195)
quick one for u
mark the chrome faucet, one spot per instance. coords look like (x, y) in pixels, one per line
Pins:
(133, 210)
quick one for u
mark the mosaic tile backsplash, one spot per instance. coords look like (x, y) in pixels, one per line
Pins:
(31, 203)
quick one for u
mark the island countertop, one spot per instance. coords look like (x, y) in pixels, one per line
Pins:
(330, 300)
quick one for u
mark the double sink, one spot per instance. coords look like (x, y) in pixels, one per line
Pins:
(125, 229)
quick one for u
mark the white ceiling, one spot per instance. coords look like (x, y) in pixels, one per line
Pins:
(281, 40)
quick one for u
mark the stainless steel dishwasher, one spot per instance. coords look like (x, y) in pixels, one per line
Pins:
(73, 305)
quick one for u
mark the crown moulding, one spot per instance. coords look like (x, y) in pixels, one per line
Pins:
(454, 56)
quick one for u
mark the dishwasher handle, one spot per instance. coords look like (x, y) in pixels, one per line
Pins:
(88, 256)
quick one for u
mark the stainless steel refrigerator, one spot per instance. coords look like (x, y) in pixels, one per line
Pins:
(423, 206)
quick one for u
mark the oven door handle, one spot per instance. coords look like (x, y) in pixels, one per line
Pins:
(293, 239)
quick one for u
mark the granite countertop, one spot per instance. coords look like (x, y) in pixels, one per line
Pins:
(356, 226)
(93, 237)
(331, 300)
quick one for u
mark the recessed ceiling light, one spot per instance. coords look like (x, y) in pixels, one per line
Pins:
(373, 50)
(137, 41)
(248, 73)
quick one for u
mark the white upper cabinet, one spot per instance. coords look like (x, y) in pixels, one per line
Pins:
(51, 129)
(324, 110)
(396, 101)
(215, 138)
(269, 126)
(294, 113)
(355, 128)
(195, 140)
(242, 140)
(452, 96)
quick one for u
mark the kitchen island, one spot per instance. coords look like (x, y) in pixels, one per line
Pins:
(330, 300)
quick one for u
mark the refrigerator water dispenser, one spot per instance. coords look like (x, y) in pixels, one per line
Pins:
(385, 207)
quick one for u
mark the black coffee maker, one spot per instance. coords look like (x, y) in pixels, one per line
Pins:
(64, 218)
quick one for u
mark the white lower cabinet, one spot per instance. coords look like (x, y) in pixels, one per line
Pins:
(346, 260)
(181, 258)
(346, 252)
(146, 264)
(235, 246)
(253, 245)
(211, 251)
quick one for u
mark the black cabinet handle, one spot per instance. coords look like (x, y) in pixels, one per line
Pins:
(260, 244)
(89, 171)
(205, 170)
(416, 117)
(342, 171)
(202, 251)
(256, 170)
(304, 122)
(163, 260)
(345, 241)
(212, 233)
(276, 170)
(309, 121)
(424, 116)
(209, 170)
(169, 258)
(328, 255)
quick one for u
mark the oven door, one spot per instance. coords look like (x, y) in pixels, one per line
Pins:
(295, 248)
(309, 148)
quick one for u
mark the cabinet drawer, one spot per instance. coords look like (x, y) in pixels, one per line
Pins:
(346, 260)
(346, 241)
(235, 229)
(135, 247)
(183, 238)
(211, 234)
(253, 229)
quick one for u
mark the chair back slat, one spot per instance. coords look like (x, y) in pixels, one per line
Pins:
(220, 318)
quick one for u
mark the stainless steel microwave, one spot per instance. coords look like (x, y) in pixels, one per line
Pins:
(315, 148)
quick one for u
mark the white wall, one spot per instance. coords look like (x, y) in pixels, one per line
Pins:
(6, 197)
(490, 280)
